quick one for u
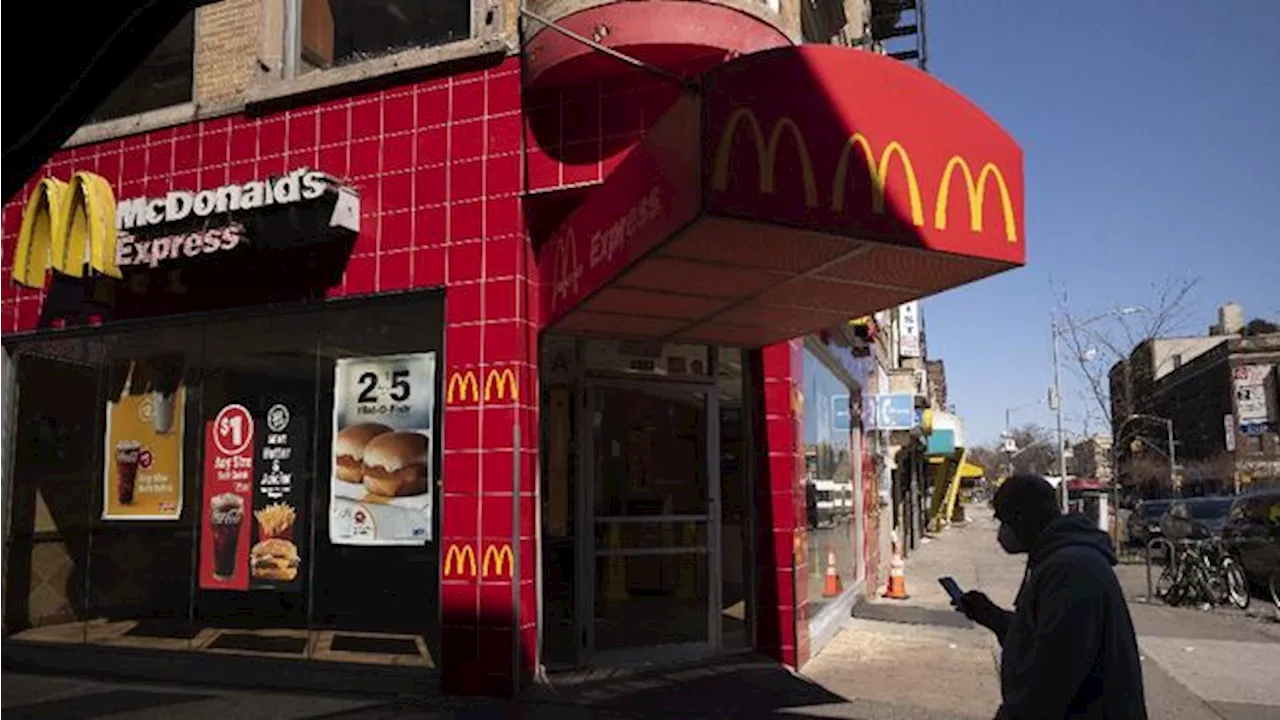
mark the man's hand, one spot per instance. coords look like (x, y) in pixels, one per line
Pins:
(975, 604)
(978, 607)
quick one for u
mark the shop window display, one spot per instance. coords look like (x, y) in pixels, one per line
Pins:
(174, 487)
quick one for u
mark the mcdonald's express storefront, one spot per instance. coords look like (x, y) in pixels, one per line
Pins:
(372, 388)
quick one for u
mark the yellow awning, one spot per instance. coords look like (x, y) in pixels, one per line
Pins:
(969, 470)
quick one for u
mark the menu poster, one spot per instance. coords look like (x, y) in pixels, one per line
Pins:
(227, 499)
(142, 477)
(383, 435)
(279, 496)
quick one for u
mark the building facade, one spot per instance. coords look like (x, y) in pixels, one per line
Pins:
(1219, 392)
(457, 343)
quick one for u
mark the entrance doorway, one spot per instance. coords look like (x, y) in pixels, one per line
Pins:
(651, 540)
(646, 502)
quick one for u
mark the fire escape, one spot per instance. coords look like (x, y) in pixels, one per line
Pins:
(897, 26)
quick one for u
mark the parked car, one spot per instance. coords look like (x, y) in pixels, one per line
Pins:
(1144, 521)
(1252, 534)
(1195, 518)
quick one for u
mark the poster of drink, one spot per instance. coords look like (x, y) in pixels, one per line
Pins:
(142, 477)
(383, 435)
(279, 495)
(228, 499)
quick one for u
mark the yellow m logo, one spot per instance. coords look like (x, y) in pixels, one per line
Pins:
(879, 175)
(766, 153)
(494, 559)
(66, 227)
(459, 383)
(977, 196)
(460, 561)
(504, 381)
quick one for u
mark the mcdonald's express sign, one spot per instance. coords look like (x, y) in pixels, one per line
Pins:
(77, 227)
(862, 146)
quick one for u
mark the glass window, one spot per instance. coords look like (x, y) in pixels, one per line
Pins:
(829, 480)
(173, 487)
(339, 32)
(166, 77)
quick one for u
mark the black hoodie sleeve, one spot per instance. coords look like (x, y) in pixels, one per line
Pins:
(1067, 625)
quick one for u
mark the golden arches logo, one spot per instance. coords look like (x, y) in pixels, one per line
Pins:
(496, 557)
(877, 169)
(879, 175)
(766, 153)
(977, 192)
(500, 383)
(67, 227)
(459, 383)
(504, 381)
(460, 561)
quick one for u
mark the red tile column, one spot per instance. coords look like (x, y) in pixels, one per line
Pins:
(782, 550)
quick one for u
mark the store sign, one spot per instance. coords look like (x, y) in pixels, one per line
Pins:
(71, 227)
(383, 449)
(909, 330)
(890, 412)
(142, 477)
(891, 155)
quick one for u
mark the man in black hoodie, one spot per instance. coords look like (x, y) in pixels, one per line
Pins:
(1069, 649)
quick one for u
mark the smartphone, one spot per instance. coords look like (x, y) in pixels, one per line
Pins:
(949, 584)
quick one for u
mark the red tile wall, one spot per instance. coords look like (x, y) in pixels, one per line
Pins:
(577, 136)
(439, 167)
(783, 600)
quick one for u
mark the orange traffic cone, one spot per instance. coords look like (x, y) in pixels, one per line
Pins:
(897, 589)
(832, 588)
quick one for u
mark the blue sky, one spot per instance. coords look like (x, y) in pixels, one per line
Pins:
(1152, 139)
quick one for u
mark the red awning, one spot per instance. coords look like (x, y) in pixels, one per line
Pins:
(800, 187)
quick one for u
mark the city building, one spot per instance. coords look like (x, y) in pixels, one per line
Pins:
(1091, 458)
(466, 340)
(1216, 395)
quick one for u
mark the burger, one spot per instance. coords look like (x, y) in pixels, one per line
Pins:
(348, 449)
(274, 559)
(395, 463)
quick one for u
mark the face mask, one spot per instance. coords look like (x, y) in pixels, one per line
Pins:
(1009, 541)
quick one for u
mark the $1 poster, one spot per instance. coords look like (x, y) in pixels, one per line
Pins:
(383, 447)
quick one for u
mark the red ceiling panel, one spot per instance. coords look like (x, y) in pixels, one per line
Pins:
(698, 278)
(651, 304)
(769, 247)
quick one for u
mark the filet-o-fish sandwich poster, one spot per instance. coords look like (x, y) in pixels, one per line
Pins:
(383, 442)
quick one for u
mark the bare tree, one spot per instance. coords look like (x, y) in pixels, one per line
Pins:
(1096, 343)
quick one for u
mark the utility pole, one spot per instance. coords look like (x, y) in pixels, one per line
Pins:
(1173, 459)
(1057, 407)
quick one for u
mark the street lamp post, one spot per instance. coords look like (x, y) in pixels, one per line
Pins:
(1056, 398)
(1056, 393)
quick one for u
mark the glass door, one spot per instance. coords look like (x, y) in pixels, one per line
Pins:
(650, 542)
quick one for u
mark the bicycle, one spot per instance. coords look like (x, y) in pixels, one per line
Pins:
(1275, 589)
(1202, 570)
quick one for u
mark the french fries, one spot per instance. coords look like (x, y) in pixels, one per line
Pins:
(275, 521)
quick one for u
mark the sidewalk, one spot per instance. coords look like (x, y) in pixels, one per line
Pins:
(915, 659)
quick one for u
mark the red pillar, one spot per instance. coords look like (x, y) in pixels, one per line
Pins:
(782, 548)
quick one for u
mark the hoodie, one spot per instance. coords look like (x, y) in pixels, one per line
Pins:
(1070, 649)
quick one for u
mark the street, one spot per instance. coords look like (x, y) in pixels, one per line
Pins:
(905, 660)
